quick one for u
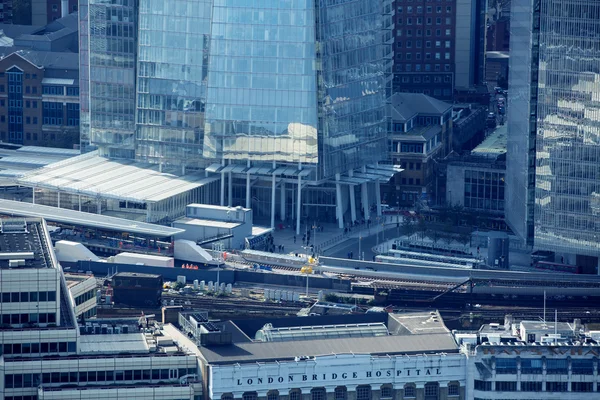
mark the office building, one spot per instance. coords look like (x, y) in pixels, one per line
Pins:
(552, 177)
(264, 97)
(438, 46)
(421, 133)
(39, 85)
(45, 355)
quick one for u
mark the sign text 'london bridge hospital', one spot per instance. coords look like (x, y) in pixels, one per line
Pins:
(341, 376)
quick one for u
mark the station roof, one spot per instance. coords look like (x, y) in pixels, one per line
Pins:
(94, 176)
(62, 215)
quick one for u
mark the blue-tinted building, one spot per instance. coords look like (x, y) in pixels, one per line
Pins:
(553, 179)
(273, 96)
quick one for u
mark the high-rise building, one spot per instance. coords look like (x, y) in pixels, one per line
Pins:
(553, 179)
(438, 46)
(264, 94)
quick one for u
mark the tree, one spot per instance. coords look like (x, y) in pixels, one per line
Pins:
(408, 228)
(422, 227)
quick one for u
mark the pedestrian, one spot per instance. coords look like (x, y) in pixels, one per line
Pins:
(294, 239)
(351, 255)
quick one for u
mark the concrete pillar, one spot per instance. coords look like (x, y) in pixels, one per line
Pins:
(58, 199)
(229, 190)
(351, 392)
(222, 203)
(378, 197)
(298, 205)
(79, 200)
(338, 201)
(273, 187)
(282, 201)
(364, 192)
(33, 194)
(99, 206)
(248, 200)
(352, 199)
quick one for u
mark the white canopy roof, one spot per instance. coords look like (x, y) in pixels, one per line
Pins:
(94, 176)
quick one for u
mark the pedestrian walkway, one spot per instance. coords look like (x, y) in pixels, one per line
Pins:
(324, 236)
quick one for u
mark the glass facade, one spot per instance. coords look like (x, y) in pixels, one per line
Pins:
(174, 39)
(353, 75)
(107, 75)
(567, 190)
(522, 121)
(275, 81)
(262, 102)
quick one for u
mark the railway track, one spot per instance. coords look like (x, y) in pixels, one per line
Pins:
(233, 305)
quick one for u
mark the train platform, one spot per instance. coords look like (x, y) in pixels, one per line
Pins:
(324, 236)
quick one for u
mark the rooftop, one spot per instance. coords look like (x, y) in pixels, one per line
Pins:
(95, 176)
(208, 223)
(404, 106)
(23, 244)
(414, 333)
(44, 59)
(78, 218)
(113, 344)
(546, 326)
(493, 145)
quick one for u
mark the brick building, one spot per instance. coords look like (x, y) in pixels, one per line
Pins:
(424, 47)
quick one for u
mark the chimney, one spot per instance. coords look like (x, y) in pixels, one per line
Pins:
(508, 321)
(576, 326)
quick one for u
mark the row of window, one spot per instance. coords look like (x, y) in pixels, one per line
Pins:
(24, 297)
(422, 67)
(535, 365)
(363, 392)
(428, 21)
(16, 381)
(419, 56)
(32, 397)
(419, 44)
(419, 32)
(419, 9)
(510, 386)
(34, 318)
(39, 348)
(50, 90)
(20, 77)
(82, 298)
(427, 79)
(19, 103)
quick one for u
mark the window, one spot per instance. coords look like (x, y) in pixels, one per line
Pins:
(582, 367)
(227, 396)
(557, 386)
(386, 392)
(418, 165)
(453, 389)
(295, 394)
(531, 386)
(448, 32)
(249, 396)
(409, 391)
(483, 385)
(318, 394)
(530, 365)
(273, 395)
(448, 9)
(559, 366)
(400, 9)
(582, 386)
(341, 393)
(431, 391)
(505, 386)
(363, 392)
(420, 10)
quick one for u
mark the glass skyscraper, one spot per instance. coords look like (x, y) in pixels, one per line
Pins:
(553, 164)
(275, 89)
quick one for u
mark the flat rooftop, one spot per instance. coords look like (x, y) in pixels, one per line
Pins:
(76, 279)
(78, 218)
(113, 344)
(493, 145)
(410, 334)
(210, 223)
(24, 240)
(94, 176)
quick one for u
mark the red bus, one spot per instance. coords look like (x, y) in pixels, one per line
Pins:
(552, 266)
